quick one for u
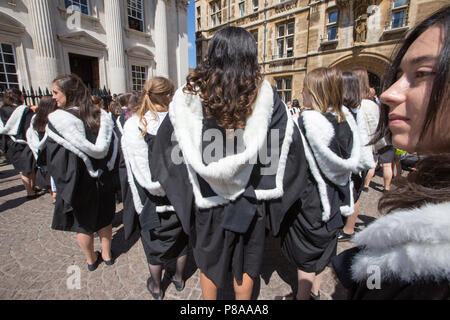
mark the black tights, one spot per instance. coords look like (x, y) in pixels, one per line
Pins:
(156, 273)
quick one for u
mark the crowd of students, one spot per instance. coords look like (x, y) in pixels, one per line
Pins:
(216, 164)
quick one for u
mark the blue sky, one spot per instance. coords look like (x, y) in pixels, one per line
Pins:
(191, 33)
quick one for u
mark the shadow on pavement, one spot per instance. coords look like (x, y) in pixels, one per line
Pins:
(10, 190)
(8, 173)
(13, 203)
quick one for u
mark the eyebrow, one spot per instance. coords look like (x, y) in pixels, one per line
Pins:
(421, 59)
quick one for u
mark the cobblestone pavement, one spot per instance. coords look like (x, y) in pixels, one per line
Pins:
(35, 261)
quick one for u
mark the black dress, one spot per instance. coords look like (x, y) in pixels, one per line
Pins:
(230, 237)
(162, 235)
(84, 204)
(15, 147)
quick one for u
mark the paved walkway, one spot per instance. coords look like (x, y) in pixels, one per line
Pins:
(39, 263)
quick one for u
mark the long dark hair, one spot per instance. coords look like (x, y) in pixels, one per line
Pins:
(13, 97)
(78, 95)
(46, 106)
(229, 79)
(352, 92)
(430, 183)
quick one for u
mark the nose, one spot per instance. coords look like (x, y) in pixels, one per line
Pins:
(395, 94)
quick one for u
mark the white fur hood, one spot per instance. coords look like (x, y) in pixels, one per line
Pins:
(228, 176)
(70, 133)
(406, 245)
(11, 127)
(33, 140)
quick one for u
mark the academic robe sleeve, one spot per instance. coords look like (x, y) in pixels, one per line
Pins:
(172, 176)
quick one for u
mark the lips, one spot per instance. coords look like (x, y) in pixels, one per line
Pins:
(397, 118)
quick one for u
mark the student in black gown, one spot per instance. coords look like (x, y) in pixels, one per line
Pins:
(82, 149)
(15, 118)
(332, 148)
(162, 235)
(405, 254)
(230, 161)
(37, 137)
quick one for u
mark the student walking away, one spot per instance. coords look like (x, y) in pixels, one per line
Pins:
(405, 253)
(352, 100)
(162, 235)
(15, 118)
(332, 146)
(37, 138)
(230, 162)
(82, 150)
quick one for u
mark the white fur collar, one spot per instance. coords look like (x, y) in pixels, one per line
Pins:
(72, 136)
(320, 132)
(406, 245)
(135, 153)
(11, 128)
(33, 140)
(228, 176)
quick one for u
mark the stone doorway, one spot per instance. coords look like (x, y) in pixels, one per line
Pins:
(86, 68)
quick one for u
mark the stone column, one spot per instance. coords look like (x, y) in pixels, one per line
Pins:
(116, 54)
(161, 54)
(44, 42)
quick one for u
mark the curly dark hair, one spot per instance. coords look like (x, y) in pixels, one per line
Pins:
(228, 80)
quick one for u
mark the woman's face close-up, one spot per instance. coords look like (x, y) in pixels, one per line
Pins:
(409, 96)
(59, 96)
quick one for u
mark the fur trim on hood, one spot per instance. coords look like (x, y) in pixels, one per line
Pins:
(33, 140)
(229, 176)
(11, 128)
(135, 153)
(70, 133)
(407, 245)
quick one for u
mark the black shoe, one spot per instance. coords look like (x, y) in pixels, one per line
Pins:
(111, 261)
(179, 285)
(92, 267)
(314, 297)
(365, 189)
(33, 196)
(156, 296)
(342, 237)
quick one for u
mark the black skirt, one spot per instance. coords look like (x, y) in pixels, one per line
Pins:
(307, 241)
(218, 251)
(20, 156)
(166, 242)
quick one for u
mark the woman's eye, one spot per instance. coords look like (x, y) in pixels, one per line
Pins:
(422, 74)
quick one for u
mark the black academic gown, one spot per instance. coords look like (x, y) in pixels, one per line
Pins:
(18, 153)
(231, 237)
(84, 204)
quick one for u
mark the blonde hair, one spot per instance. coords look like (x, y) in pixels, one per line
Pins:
(157, 91)
(325, 86)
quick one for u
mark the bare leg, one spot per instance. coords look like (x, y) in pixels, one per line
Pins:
(26, 179)
(243, 290)
(105, 235)
(53, 194)
(387, 175)
(305, 284)
(349, 227)
(86, 243)
(209, 289)
(316, 284)
(369, 177)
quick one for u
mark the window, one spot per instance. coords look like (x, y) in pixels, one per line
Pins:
(139, 76)
(8, 69)
(255, 5)
(199, 18)
(285, 40)
(254, 33)
(332, 25)
(216, 14)
(284, 88)
(399, 9)
(78, 5)
(136, 15)
(242, 8)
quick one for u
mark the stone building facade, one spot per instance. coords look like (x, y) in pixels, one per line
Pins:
(117, 44)
(296, 36)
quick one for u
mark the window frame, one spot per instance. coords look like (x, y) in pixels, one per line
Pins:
(216, 15)
(136, 9)
(394, 10)
(241, 8)
(3, 63)
(282, 92)
(135, 78)
(284, 38)
(87, 5)
(332, 25)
